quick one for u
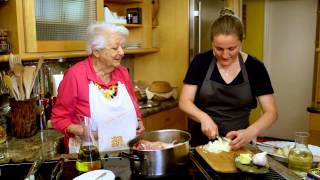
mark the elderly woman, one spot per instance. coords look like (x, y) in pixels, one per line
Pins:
(100, 88)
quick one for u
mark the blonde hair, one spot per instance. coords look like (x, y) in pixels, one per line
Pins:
(227, 23)
(96, 38)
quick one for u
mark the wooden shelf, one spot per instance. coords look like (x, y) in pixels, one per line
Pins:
(141, 50)
(130, 25)
(123, 1)
(73, 54)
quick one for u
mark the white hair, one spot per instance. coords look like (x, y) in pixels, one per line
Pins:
(96, 38)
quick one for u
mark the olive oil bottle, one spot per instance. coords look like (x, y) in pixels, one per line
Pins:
(88, 159)
(300, 157)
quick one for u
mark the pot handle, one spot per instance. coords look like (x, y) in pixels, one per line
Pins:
(130, 156)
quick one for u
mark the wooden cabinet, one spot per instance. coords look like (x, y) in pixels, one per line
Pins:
(139, 33)
(314, 129)
(34, 30)
(169, 119)
(316, 74)
(45, 26)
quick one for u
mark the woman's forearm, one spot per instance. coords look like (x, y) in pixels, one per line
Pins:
(192, 110)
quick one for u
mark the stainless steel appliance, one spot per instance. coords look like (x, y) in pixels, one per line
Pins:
(201, 15)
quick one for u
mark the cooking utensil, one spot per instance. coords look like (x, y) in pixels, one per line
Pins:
(15, 86)
(57, 170)
(221, 162)
(32, 171)
(8, 81)
(28, 75)
(18, 72)
(40, 62)
(154, 163)
(13, 60)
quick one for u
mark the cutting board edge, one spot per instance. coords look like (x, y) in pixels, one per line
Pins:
(232, 169)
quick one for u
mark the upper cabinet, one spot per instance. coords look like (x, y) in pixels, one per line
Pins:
(48, 26)
(59, 28)
(138, 14)
(51, 29)
(59, 25)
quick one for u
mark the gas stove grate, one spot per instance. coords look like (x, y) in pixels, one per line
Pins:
(271, 175)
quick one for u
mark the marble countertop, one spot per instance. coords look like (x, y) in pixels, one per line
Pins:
(162, 106)
(44, 145)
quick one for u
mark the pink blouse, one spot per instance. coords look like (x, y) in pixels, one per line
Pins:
(73, 93)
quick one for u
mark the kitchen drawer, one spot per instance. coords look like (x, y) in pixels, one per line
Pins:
(314, 129)
(169, 119)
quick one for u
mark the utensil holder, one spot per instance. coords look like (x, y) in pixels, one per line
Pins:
(23, 118)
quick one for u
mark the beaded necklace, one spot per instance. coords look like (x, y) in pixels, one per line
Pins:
(110, 92)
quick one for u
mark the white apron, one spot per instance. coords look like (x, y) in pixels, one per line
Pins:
(115, 118)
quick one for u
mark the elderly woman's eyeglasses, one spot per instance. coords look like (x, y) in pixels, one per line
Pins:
(115, 48)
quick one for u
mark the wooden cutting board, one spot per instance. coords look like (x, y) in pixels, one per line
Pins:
(221, 162)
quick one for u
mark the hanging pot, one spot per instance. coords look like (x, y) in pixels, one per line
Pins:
(156, 163)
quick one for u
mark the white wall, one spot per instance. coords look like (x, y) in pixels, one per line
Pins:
(290, 27)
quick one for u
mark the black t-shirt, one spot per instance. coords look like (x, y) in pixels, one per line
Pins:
(258, 76)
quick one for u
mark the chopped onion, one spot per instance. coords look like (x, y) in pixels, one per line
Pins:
(217, 146)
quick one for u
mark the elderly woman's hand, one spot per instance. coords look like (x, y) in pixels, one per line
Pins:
(140, 128)
(76, 129)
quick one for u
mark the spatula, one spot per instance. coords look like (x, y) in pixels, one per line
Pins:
(15, 86)
(18, 72)
(28, 74)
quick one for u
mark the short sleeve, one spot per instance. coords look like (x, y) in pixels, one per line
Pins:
(259, 78)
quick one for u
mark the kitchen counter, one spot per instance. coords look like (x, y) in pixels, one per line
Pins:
(45, 145)
(161, 107)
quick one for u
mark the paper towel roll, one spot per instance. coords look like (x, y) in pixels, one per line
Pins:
(56, 79)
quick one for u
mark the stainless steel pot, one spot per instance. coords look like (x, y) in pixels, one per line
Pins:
(154, 163)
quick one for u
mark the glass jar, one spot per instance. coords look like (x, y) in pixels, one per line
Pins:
(88, 156)
(300, 157)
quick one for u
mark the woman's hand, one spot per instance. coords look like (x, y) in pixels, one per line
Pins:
(140, 128)
(209, 128)
(240, 138)
(76, 129)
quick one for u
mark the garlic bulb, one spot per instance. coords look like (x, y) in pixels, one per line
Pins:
(260, 159)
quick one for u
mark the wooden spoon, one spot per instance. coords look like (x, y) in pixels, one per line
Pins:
(8, 82)
(28, 74)
(18, 72)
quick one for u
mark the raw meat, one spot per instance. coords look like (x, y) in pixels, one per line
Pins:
(152, 145)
